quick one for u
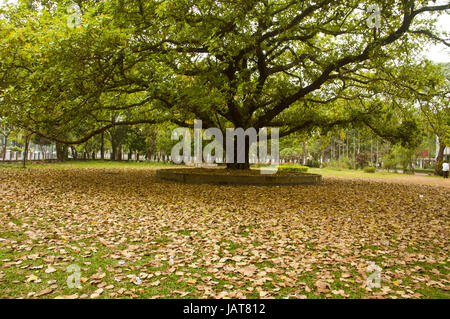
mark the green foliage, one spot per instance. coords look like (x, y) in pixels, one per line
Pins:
(344, 162)
(404, 156)
(305, 67)
(361, 159)
(389, 162)
(240, 64)
(313, 163)
(16, 149)
(369, 169)
(293, 168)
(164, 142)
(291, 152)
(424, 170)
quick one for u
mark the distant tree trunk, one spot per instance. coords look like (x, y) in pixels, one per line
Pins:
(332, 153)
(377, 160)
(61, 152)
(346, 143)
(439, 160)
(41, 149)
(304, 152)
(371, 151)
(114, 155)
(102, 147)
(4, 146)
(359, 144)
(25, 153)
(74, 153)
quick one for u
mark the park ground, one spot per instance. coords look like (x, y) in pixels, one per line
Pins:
(133, 236)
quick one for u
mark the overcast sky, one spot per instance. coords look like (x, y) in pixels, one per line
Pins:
(436, 53)
(441, 53)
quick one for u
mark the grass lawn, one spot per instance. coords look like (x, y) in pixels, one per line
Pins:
(383, 176)
(133, 236)
(360, 173)
(88, 164)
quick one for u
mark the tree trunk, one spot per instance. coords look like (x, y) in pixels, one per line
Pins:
(346, 143)
(25, 153)
(354, 150)
(304, 153)
(114, 147)
(439, 160)
(235, 164)
(371, 151)
(377, 160)
(61, 152)
(4, 147)
(102, 148)
(359, 144)
(41, 149)
(74, 153)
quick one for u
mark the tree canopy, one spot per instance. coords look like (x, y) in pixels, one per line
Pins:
(296, 65)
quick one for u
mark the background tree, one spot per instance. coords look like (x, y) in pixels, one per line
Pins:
(5, 132)
(427, 86)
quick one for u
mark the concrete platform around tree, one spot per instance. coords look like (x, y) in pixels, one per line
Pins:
(230, 177)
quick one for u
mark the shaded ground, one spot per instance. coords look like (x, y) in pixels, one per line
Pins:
(136, 237)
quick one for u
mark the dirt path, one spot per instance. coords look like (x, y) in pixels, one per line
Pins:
(408, 180)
